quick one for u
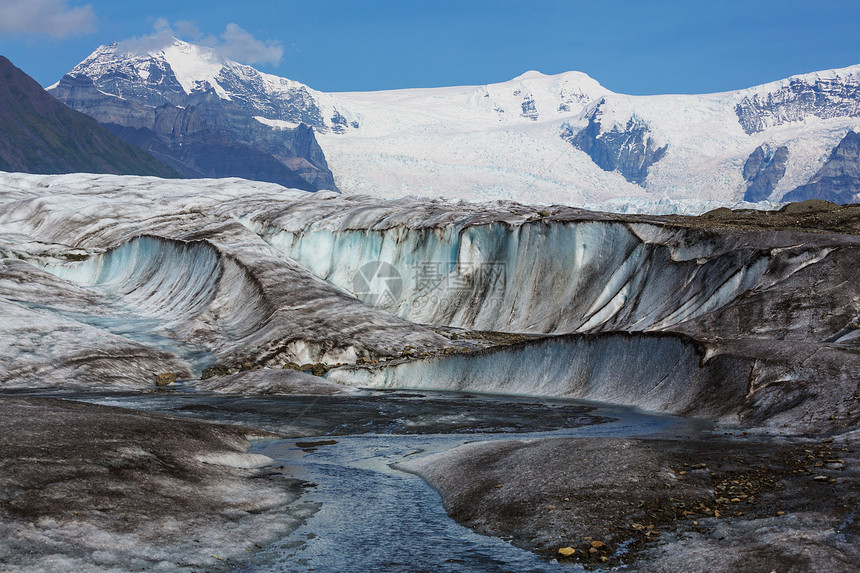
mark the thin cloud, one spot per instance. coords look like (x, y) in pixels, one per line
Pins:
(187, 29)
(238, 44)
(151, 43)
(234, 43)
(53, 18)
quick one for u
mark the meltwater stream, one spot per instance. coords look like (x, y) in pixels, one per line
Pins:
(371, 516)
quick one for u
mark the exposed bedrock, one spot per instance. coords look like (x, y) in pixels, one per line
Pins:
(838, 180)
(797, 99)
(629, 149)
(781, 384)
(200, 135)
(762, 171)
(557, 276)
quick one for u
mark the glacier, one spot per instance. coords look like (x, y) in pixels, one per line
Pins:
(607, 278)
(229, 275)
(244, 302)
(514, 268)
(160, 287)
(99, 488)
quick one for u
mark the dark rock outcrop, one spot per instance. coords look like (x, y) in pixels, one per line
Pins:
(762, 171)
(529, 108)
(630, 151)
(823, 98)
(38, 134)
(838, 180)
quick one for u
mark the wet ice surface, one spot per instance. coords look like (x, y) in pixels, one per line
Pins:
(127, 323)
(373, 517)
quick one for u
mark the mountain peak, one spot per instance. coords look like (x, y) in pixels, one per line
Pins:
(530, 75)
(162, 45)
(180, 50)
(192, 65)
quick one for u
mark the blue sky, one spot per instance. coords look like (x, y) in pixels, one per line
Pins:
(635, 47)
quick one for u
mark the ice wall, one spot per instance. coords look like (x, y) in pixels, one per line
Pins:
(184, 298)
(789, 385)
(541, 277)
(657, 371)
(189, 287)
(157, 277)
(240, 308)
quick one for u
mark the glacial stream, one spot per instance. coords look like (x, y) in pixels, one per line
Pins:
(371, 516)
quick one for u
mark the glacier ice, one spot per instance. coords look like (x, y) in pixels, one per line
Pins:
(507, 140)
(519, 271)
(97, 488)
(161, 276)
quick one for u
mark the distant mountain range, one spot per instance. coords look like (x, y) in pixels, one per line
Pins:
(38, 134)
(536, 138)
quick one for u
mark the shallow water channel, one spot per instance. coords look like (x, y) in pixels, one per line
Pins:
(371, 516)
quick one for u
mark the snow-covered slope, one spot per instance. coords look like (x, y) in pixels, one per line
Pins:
(479, 142)
(536, 138)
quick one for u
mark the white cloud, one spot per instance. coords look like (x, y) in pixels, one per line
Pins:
(234, 43)
(54, 18)
(161, 25)
(239, 45)
(151, 43)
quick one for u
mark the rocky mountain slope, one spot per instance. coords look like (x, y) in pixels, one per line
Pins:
(38, 134)
(838, 179)
(536, 138)
(192, 124)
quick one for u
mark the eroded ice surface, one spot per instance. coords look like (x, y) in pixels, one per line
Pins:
(165, 276)
(158, 276)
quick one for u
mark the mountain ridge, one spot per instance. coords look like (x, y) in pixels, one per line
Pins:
(537, 138)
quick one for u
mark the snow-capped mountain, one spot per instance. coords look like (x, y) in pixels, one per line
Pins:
(175, 72)
(536, 138)
(169, 102)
